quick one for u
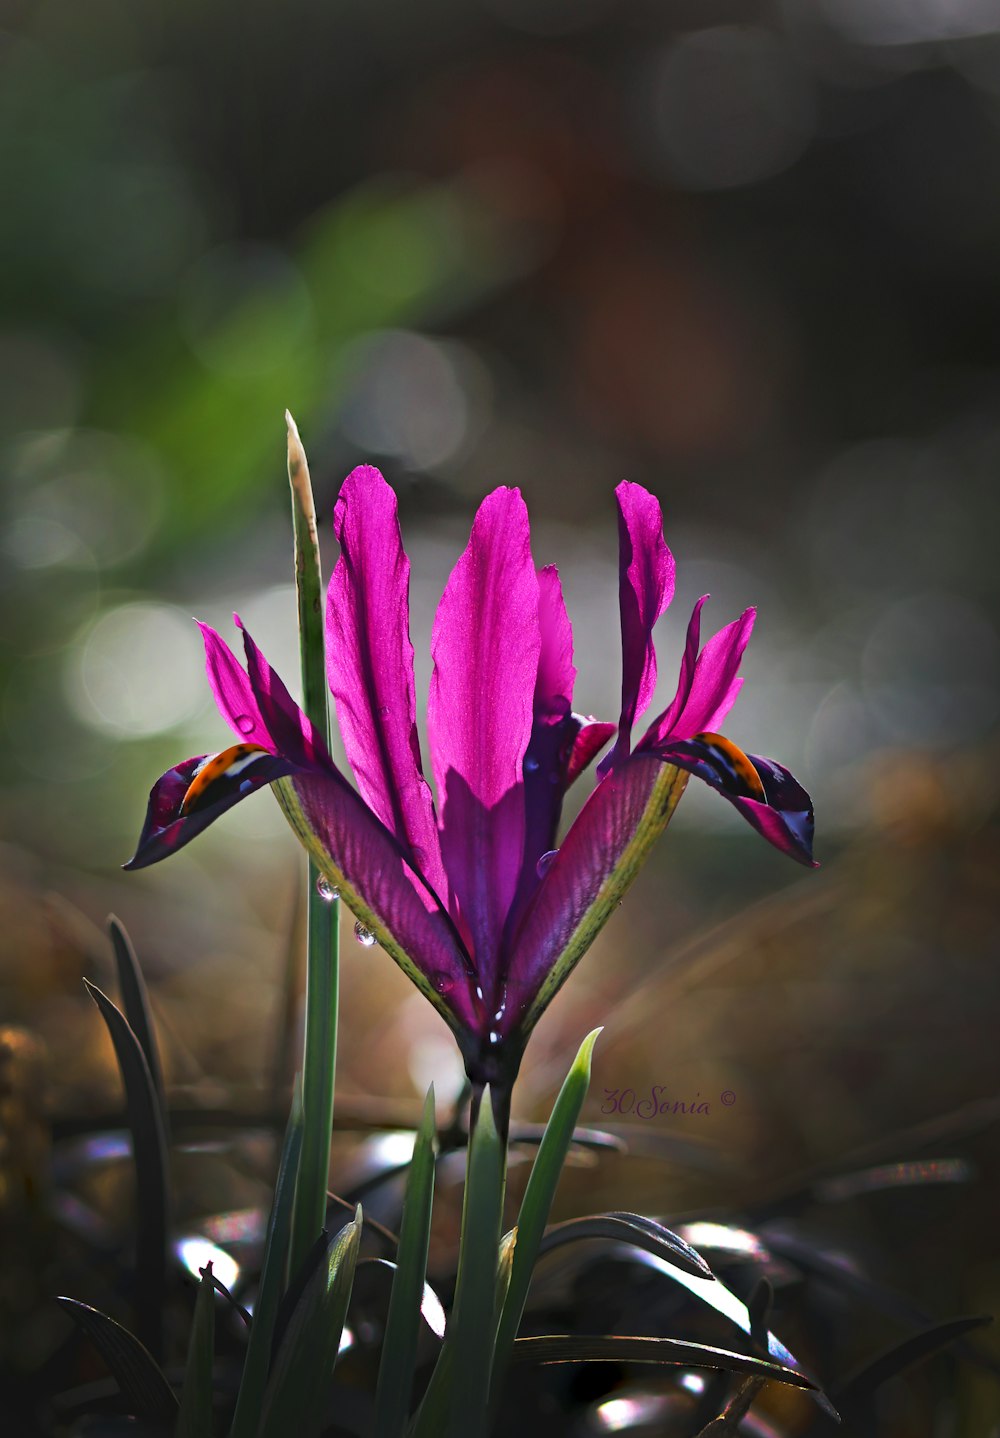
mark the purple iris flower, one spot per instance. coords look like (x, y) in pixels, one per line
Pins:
(470, 895)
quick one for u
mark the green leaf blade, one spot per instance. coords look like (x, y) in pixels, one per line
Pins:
(537, 1201)
(294, 1398)
(272, 1280)
(149, 1150)
(395, 1378)
(195, 1417)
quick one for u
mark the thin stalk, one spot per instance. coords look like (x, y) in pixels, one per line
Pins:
(319, 1054)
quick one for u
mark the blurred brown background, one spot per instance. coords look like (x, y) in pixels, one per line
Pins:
(746, 254)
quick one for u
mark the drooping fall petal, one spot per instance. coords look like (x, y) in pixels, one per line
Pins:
(167, 827)
(645, 589)
(763, 791)
(370, 666)
(485, 646)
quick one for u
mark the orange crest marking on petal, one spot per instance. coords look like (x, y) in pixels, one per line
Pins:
(219, 766)
(732, 765)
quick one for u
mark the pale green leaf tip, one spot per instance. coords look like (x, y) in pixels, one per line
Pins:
(587, 1047)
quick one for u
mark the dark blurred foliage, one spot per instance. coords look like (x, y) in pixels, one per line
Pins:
(743, 253)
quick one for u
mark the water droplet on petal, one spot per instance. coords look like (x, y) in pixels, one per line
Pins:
(443, 982)
(531, 766)
(326, 890)
(245, 724)
(494, 1038)
(545, 863)
(364, 936)
(384, 711)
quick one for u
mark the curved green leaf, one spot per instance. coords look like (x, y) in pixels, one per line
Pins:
(537, 1201)
(149, 1150)
(132, 1365)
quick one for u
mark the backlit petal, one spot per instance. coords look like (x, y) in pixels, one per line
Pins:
(709, 681)
(645, 589)
(231, 687)
(370, 665)
(485, 646)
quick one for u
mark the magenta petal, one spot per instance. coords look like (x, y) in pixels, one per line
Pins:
(290, 731)
(707, 692)
(590, 739)
(233, 693)
(553, 698)
(552, 732)
(485, 645)
(166, 830)
(373, 864)
(645, 589)
(370, 666)
(590, 852)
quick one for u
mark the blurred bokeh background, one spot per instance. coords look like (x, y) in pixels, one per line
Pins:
(744, 253)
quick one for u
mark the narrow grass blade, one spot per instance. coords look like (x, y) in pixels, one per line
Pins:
(300, 1378)
(903, 1355)
(132, 1366)
(319, 1058)
(149, 1149)
(323, 943)
(195, 1417)
(729, 1421)
(399, 1349)
(631, 1228)
(431, 1307)
(135, 1002)
(457, 1396)
(272, 1280)
(308, 584)
(537, 1201)
(472, 1328)
(618, 1348)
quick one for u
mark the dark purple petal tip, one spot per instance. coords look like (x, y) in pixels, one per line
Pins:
(180, 806)
(763, 791)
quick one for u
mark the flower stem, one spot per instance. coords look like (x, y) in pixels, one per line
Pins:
(323, 942)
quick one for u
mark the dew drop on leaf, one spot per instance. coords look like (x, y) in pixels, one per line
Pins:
(364, 936)
(326, 890)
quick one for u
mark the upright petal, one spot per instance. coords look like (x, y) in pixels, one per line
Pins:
(231, 687)
(290, 730)
(645, 589)
(370, 665)
(708, 683)
(485, 645)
